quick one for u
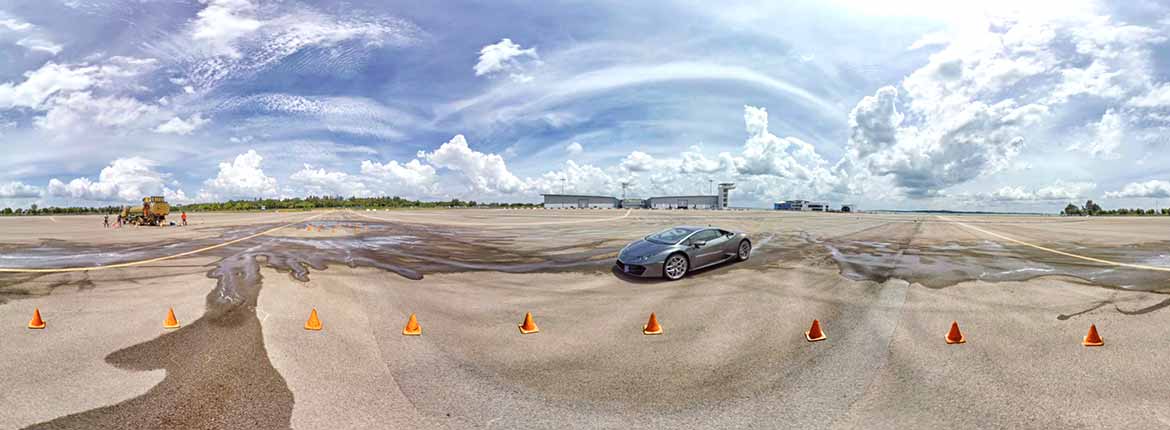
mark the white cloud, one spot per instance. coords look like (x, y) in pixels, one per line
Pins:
(578, 179)
(505, 57)
(1058, 191)
(638, 161)
(320, 182)
(30, 36)
(412, 178)
(482, 172)
(177, 125)
(38, 44)
(13, 24)
(241, 178)
(930, 39)
(125, 179)
(1149, 189)
(42, 83)
(767, 154)
(222, 23)
(80, 110)
(574, 149)
(1105, 137)
(1158, 96)
(18, 190)
(968, 112)
(233, 39)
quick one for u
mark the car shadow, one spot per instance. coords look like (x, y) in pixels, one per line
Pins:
(639, 280)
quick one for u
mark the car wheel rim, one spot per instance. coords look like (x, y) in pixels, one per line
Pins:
(744, 250)
(676, 267)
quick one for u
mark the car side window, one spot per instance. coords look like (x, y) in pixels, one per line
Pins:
(704, 236)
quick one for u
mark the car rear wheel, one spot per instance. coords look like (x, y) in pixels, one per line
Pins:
(745, 250)
(675, 267)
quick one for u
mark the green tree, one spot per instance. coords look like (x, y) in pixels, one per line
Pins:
(1072, 209)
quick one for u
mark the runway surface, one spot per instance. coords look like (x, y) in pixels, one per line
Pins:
(733, 355)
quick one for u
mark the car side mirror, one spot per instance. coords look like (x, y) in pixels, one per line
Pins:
(699, 243)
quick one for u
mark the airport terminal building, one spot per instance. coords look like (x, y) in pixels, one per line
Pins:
(573, 201)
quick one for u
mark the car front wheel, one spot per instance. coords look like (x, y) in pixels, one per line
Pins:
(745, 250)
(675, 267)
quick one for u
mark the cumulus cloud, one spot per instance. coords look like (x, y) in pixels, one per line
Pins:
(240, 178)
(638, 161)
(486, 173)
(177, 125)
(321, 182)
(223, 22)
(18, 190)
(967, 112)
(574, 149)
(82, 109)
(125, 179)
(1105, 137)
(1149, 189)
(44, 82)
(1056, 192)
(412, 178)
(506, 57)
(767, 154)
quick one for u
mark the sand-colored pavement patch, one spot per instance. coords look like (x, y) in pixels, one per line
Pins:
(337, 375)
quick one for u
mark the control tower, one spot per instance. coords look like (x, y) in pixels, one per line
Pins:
(723, 191)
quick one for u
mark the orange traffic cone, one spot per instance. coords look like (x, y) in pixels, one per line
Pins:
(171, 321)
(313, 323)
(528, 327)
(36, 321)
(412, 328)
(652, 326)
(814, 333)
(1093, 339)
(955, 336)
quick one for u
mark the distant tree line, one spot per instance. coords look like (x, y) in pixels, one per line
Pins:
(308, 203)
(1093, 209)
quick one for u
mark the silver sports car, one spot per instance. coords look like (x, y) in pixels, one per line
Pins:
(673, 252)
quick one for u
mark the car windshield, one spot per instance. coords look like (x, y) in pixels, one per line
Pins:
(670, 236)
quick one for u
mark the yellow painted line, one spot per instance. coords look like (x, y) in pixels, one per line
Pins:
(1059, 252)
(505, 224)
(154, 260)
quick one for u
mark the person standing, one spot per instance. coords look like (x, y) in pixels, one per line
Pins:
(184, 218)
(106, 221)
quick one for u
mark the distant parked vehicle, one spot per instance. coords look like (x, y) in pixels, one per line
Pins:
(674, 252)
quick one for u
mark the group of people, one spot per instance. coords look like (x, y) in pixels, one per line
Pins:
(118, 220)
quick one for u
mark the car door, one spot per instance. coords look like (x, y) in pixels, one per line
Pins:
(708, 246)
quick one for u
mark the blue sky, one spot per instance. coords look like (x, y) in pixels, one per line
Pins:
(894, 105)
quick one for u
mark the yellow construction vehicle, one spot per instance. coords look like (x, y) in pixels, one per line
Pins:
(154, 211)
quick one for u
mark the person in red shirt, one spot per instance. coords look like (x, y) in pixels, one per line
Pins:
(184, 217)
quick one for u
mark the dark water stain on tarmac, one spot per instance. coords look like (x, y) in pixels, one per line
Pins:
(948, 264)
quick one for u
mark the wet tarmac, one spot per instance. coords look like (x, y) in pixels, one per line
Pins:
(224, 352)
